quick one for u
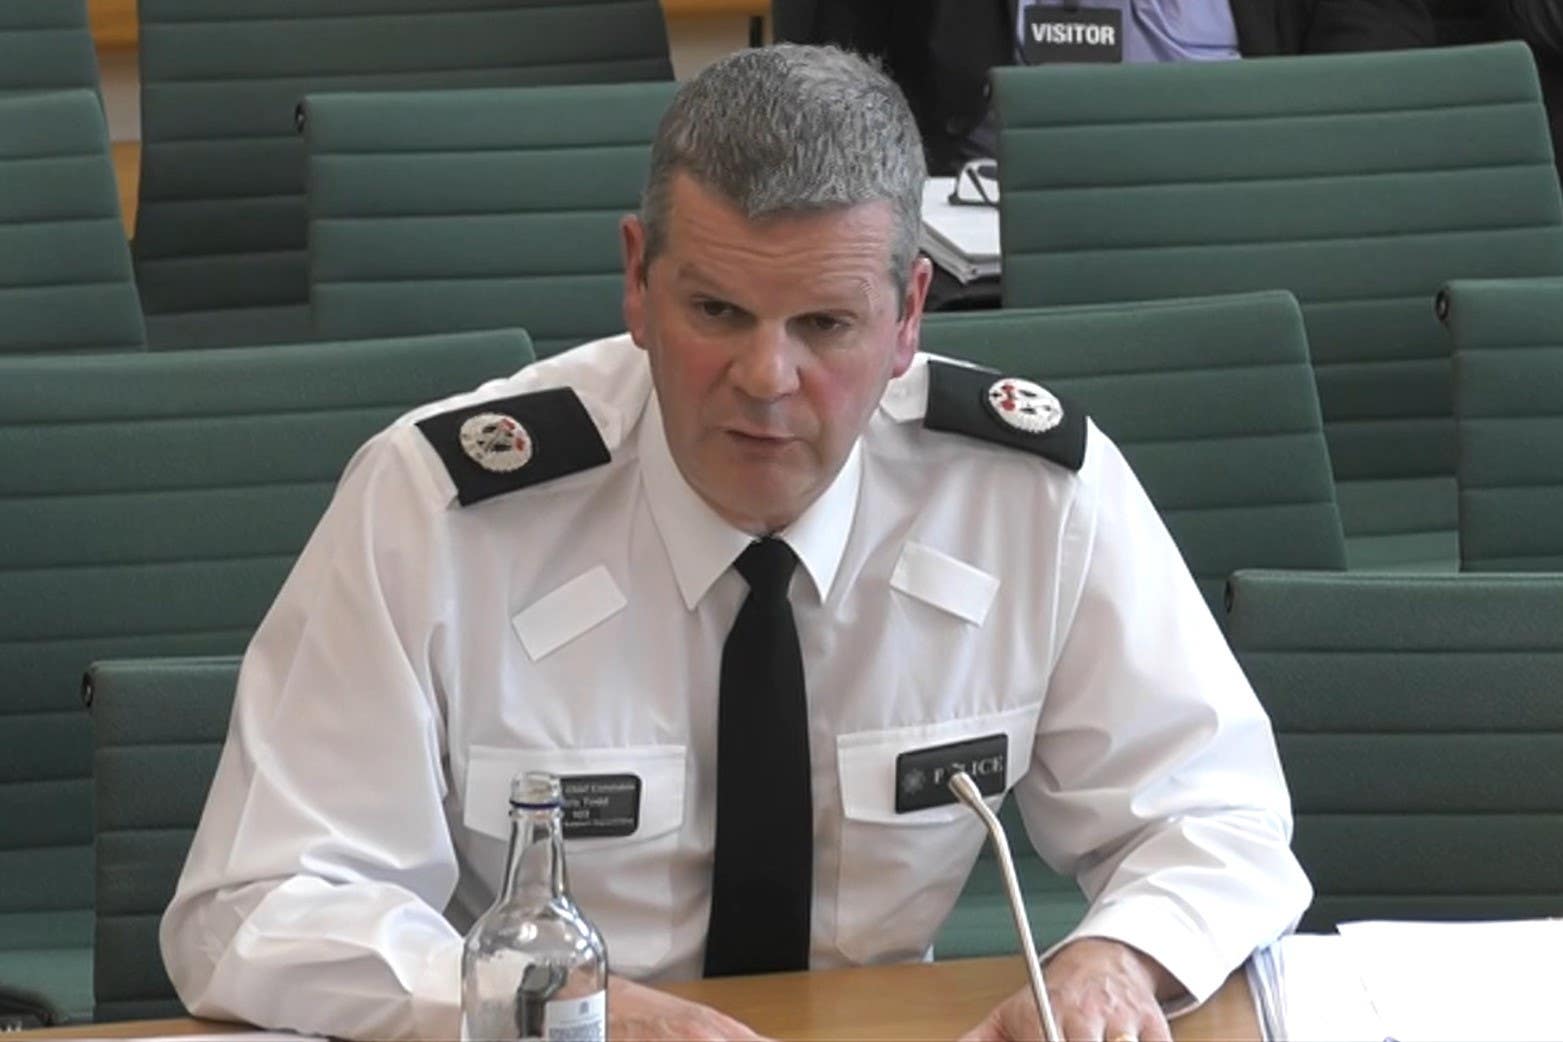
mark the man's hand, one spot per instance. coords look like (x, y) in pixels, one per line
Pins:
(1102, 991)
(638, 1012)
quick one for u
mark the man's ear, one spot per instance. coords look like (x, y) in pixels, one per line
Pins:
(909, 329)
(632, 245)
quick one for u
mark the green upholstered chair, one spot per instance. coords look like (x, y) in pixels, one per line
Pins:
(220, 231)
(151, 504)
(1360, 182)
(65, 279)
(1420, 722)
(158, 728)
(448, 210)
(1213, 404)
(1508, 365)
(46, 45)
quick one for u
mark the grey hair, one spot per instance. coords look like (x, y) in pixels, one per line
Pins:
(791, 129)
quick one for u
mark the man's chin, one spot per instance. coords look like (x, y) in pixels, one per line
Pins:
(761, 508)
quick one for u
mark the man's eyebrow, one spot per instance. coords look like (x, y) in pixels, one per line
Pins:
(687, 271)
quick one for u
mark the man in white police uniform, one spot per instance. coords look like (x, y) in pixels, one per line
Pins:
(541, 574)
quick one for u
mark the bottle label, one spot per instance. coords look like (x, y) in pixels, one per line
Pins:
(581, 1019)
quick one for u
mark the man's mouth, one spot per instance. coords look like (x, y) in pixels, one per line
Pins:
(759, 437)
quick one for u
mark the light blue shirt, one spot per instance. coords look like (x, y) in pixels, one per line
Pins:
(1164, 30)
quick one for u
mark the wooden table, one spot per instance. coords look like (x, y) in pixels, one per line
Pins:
(114, 21)
(938, 1000)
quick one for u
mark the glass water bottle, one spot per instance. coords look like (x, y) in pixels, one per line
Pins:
(533, 966)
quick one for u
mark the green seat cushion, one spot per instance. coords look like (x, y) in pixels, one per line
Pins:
(1359, 182)
(221, 219)
(153, 504)
(1508, 340)
(65, 276)
(1419, 733)
(1213, 404)
(441, 210)
(232, 327)
(46, 45)
(61, 975)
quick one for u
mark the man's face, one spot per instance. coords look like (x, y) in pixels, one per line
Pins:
(770, 344)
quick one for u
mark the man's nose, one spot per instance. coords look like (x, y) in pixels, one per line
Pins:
(766, 366)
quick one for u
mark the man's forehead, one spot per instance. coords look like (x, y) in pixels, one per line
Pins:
(822, 285)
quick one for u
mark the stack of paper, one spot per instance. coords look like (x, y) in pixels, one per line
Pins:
(1433, 982)
(1306, 991)
(1412, 982)
(961, 239)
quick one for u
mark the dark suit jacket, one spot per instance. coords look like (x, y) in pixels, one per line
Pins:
(1540, 24)
(940, 51)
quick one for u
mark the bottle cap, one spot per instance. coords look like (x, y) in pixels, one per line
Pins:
(537, 790)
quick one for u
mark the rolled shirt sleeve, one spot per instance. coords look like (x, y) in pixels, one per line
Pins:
(1155, 777)
(310, 898)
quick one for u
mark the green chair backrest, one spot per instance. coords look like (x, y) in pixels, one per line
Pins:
(1212, 402)
(46, 45)
(158, 727)
(1508, 366)
(151, 504)
(448, 210)
(221, 222)
(1360, 182)
(1420, 723)
(65, 278)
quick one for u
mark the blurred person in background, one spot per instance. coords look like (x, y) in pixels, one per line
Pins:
(940, 51)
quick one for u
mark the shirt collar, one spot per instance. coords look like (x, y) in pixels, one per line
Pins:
(701, 545)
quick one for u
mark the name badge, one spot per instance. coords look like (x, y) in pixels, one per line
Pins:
(922, 776)
(597, 806)
(1072, 34)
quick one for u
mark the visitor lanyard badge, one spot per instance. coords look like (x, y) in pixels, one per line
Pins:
(1072, 33)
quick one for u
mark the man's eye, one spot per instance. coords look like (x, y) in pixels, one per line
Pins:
(715, 308)
(826, 323)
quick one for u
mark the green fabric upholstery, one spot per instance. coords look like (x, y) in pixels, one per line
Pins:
(150, 504)
(1213, 404)
(46, 45)
(1420, 723)
(221, 223)
(469, 210)
(1360, 182)
(158, 727)
(1508, 340)
(65, 280)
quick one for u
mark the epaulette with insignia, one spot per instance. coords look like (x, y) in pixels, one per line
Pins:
(499, 446)
(1007, 410)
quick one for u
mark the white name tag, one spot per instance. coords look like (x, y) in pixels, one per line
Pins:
(566, 613)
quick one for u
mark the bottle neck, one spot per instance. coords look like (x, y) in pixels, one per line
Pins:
(534, 873)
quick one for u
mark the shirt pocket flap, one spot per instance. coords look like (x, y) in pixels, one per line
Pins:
(945, 582)
(564, 614)
(660, 769)
(866, 763)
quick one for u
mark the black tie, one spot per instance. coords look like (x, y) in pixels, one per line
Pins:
(762, 881)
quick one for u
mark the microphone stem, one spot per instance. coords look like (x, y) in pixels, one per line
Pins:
(962, 785)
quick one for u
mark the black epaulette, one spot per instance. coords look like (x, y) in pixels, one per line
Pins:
(1018, 413)
(499, 446)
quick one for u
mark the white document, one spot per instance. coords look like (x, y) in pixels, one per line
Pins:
(1432, 982)
(961, 239)
(1306, 990)
(236, 1036)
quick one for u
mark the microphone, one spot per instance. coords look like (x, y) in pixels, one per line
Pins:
(966, 789)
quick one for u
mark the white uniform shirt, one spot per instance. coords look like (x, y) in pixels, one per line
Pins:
(422, 652)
